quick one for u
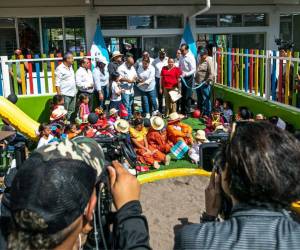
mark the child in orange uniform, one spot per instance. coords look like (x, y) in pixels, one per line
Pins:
(179, 131)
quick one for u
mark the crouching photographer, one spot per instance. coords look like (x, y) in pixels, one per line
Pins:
(53, 199)
(259, 171)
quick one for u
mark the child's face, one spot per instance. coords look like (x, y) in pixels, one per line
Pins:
(73, 129)
(62, 102)
(225, 105)
(216, 115)
(217, 103)
(47, 131)
(139, 127)
(86, 100)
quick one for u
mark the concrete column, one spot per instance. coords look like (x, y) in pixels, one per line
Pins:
(274, 29)
(90, 26)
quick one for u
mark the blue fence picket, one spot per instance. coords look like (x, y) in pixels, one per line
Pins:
(273, 78)
(1, 83)
(38, 75)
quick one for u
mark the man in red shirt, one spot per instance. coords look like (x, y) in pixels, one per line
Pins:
(170, 81)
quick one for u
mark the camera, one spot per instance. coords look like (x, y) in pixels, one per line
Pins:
(284, 45)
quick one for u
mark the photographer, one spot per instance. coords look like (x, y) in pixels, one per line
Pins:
(260, 172)
(53, 198)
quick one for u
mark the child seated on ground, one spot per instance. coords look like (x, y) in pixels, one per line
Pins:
(58, 116)
(194, 152)
(176, 130)
(45, 135)
(218, 105)
(157, 135)
(227, 112)
(71, 131)
(145, 153)
(102, 122)
(213, 122)
(113, 117)
(259, 117)
(115, 99)
(84, 110)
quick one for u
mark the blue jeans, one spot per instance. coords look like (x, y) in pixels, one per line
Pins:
(105, 93)
(203, 99)
(127, 100)
(149, 103)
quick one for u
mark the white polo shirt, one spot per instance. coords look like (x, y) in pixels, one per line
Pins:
(159, 64)
(128, 73)
(65, 79)
(84, 80)
(148, 76)
(187, 64)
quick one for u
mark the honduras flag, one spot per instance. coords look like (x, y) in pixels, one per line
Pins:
(98, 49)
(189, 39)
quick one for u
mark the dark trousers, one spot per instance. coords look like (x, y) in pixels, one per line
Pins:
(159, 95)
(186, 93)
(203, 99)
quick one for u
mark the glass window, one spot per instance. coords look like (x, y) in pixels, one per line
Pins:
(170, 43)
(164, 22)
(207, 21)
(250, 41)
(113, 22)
(296, 33)
(29, 34)
(8, 42)
(255, 20)
(75, 34)
(286, 27)
(141, 22)
(52, 33)
(230, 20)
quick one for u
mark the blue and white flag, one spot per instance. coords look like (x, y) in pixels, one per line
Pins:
(189, 39)
(98, 49)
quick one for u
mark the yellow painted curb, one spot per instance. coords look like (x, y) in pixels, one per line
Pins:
(171, 173)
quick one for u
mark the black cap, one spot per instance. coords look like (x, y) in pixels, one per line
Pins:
(12, 98)
(93, 118)
(56, 183)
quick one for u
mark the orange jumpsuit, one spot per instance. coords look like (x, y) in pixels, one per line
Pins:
(144, 156)
(179, 131)
(159, 140)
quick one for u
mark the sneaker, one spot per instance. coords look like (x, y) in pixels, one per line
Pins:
(147, 116)
(156, 165)
(167, 160)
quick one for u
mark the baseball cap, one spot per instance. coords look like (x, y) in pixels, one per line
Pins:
(56, 182)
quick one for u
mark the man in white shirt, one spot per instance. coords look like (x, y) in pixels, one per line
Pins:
(139, 62)
(85, 81)
(65, 83)
(187, 64)
(146, 84)
(128, 78)
(159, 63)
(101, 81)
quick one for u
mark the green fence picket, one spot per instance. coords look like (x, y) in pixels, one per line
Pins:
(262, 74)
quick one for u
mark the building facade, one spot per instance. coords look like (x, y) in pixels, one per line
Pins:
(45, 27)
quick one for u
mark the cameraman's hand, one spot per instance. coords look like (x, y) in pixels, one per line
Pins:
(213, 195)
(124, 186)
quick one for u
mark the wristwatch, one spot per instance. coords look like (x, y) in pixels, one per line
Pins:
(208, 218)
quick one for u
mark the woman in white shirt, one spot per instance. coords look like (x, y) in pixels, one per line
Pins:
(146, 84)
(101, 80)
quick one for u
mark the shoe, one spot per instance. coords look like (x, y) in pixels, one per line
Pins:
(147, 116)
(167, 160)
(156, 165)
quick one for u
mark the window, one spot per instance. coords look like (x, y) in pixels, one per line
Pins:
(141, 22)
(8, 42)
(286, 27)
(172, 22)
(29, 34)
(75, 34)
(230, 20)
(207, 21)
(113, 22)
(52, 33)
(170, 43)
(255, 20)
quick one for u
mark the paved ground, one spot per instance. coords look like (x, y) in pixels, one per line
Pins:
(168, 203)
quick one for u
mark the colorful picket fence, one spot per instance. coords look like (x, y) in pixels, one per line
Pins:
(34, 76)
(260, 73)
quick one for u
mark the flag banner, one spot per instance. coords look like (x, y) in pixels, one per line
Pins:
(98, 49)
(189, 39)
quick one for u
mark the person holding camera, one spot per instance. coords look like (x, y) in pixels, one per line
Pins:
(258, 171)
(53, 198)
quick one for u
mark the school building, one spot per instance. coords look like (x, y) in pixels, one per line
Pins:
(60, 25)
